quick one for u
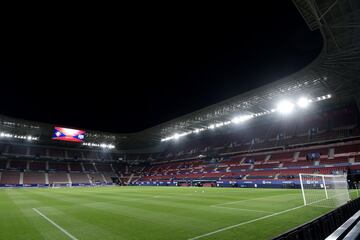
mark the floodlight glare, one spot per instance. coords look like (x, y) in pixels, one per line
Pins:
(241, 118)
(285, 107)
(303, 102)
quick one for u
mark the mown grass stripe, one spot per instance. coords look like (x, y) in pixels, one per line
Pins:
(55, 224)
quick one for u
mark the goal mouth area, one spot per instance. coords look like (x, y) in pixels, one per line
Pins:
(329, 191)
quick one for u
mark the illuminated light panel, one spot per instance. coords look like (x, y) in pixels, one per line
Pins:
(285, 107)
(242, 118)
(26, 137)
(303, 102)
(102, 145)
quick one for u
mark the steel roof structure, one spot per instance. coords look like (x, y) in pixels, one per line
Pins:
(335, 71)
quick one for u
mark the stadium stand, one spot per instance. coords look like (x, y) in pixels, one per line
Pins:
(58, 177)
(8, 177)
(79, 178)
(34, 178)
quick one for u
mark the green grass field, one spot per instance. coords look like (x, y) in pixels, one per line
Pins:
(151, 213)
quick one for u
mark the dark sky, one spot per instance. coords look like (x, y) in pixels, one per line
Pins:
(130, 68)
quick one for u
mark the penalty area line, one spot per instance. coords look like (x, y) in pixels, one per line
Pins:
(244, 223)
(55, 224)
(257, 219)
(241, 209)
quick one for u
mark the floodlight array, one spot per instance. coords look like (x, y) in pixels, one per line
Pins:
(101, 145)
(25, 137)
(285, 107)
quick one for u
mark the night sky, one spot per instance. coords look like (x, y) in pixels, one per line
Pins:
(124, 70)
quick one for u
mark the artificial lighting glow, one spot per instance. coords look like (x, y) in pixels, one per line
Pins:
(303, 102)
(102, 145)
(8, 135)
(242, 118)
(219, 124)
(197, 130)
(285, 107)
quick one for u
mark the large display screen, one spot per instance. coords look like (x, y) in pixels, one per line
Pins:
(68, 134)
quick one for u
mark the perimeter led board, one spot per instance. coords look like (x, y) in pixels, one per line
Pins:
(68, 134)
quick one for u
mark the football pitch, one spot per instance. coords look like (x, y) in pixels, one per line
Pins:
(151, 213)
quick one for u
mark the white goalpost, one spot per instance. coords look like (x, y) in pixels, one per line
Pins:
(61, 184)
(324, 190)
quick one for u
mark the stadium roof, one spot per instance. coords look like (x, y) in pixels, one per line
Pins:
(336, 71)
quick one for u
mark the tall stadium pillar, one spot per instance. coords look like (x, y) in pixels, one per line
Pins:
(358, 106)
(358, 102)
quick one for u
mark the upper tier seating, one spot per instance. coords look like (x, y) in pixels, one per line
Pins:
(37, 151)
(58, 166)
(104, 168)
(89, 167)
(17, 164)
(74, 154)
(18, 149)
(37, 166)
(3, 163)
(75, 167)
(57, 153)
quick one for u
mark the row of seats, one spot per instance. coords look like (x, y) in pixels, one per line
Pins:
(57, 153)
(283, 164)
(14, 177)
(58, 166)
(333, 124)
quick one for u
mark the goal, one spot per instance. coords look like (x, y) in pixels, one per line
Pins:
(60, 184)
(324, 190)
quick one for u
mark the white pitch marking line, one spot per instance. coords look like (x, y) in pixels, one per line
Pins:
(251, 199)
(244, 223)
(254, 220)
(57, 226)
(242, 209)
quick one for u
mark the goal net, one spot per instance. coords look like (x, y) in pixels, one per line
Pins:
(60, 184)
(324, 190)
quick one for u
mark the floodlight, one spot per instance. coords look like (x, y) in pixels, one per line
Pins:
(219, 125)
(243, 118)
(285, 107)
(212, 126)
(303, 102)
(197, 130)
(176, 136)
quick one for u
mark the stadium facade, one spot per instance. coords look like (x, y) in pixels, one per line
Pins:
(246, 140)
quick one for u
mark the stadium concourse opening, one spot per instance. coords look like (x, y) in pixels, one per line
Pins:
(278, 161)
